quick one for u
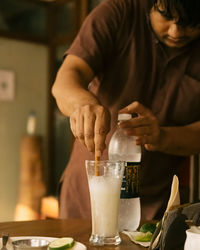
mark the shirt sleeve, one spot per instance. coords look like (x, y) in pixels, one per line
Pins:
(96, 40)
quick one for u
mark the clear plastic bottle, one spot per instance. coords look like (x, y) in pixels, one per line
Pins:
(123, 147)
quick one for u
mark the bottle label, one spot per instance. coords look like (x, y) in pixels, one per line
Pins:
(130, 182)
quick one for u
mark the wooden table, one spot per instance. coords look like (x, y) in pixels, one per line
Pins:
(80, 230)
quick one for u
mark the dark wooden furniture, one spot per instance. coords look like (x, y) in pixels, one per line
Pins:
(78, 229)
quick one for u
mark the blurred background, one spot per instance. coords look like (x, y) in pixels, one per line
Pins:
(35, 141)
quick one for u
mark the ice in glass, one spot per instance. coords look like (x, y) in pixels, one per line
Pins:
(105, 197)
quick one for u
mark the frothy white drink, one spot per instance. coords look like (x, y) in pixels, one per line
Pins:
(104, 195)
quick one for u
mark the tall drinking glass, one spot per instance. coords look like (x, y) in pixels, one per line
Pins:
(104, 187)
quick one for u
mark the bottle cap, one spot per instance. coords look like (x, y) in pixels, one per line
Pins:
(124, 117)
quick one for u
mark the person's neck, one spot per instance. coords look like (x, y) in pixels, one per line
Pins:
(171, 51)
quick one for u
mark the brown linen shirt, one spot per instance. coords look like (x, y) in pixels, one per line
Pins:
(130, 64)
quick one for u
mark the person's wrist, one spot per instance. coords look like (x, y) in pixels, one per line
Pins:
(84, 103)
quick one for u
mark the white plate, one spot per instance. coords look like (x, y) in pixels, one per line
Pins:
(77, 245)
(135, 233)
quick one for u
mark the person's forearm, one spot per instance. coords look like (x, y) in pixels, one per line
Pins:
(70, 93)
(180, 140)
(70, 87)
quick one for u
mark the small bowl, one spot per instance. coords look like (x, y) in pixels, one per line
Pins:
(30, 244)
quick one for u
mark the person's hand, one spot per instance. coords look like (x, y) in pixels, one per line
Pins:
(144, 126)
(90, 124)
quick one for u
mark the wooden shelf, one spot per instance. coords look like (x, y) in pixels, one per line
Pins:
(57, 41)
(48, 2)
(63, 39)
(24, 37)
(50, 36)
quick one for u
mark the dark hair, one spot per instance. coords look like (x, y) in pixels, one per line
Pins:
(187, 11)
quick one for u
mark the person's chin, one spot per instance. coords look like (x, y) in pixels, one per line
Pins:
(175, 43)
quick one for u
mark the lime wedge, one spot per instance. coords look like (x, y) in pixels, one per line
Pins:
(143, 237)
(61, 243)
(148, 227)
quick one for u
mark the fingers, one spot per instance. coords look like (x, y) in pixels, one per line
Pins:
(90, 125)
(145, 126)
(140, 126)
(136, 107)
(135, 122)
(146, 139)
(80, 128)
(89, 133)
(102, 127)
(73, 125)
(138, 131)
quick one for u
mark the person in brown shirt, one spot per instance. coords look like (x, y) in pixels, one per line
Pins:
(132, 56)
